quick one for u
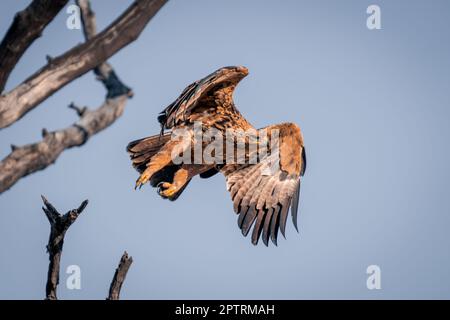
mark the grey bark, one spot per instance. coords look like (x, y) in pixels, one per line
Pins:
(26, 27)
(30, 158)
(119, 277)
(59, 225)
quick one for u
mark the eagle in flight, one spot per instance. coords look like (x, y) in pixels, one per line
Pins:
(262, 191)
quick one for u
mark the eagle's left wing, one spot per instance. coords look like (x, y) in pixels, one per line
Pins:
(262, 193)
(179, 110)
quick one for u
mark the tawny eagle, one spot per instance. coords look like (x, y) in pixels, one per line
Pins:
(262, 200)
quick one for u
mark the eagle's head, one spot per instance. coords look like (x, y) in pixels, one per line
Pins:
(227, 75)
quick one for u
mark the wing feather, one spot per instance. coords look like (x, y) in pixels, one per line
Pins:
(283, 216)
(258, 226)
(263, 199)
(179, 110)
(274, 224)
(266, 228)
(294, 208)
(248, 220)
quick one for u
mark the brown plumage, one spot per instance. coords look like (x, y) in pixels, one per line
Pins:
(262, 191)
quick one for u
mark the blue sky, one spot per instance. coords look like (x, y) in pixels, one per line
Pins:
(373, 106)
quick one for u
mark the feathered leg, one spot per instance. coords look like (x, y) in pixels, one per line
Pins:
(157, 162)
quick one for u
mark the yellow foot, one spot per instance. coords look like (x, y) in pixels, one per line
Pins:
(167, 190)
(145, 176)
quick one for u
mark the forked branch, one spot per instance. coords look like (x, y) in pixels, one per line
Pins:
(30, 158)
(77, 61)
(59, 225)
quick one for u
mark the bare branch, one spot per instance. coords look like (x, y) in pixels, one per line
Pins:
(59, 225)
(88, 19)
(78, 61)
(26, 27)
(119, 276)
(104, 71)
(28, 159)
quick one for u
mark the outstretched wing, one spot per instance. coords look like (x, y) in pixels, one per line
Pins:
(178, 111)
(262, 193)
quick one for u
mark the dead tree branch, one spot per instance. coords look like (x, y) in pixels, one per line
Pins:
(30, 158)
(77, 61)
(59, 225)
(26, 27)
(104, 71)
(119, 277)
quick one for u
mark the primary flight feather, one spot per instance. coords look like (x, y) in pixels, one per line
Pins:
(264, 182)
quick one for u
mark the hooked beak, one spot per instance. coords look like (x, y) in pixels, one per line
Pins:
(242, 70)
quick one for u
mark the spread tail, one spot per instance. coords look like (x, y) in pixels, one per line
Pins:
(142, 150)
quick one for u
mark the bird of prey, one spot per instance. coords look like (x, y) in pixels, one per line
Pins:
(262, 191)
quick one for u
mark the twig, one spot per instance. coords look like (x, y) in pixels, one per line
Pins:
(104, 71)
(26, 27)
(59, 225)
(77, 61)
(119, 277)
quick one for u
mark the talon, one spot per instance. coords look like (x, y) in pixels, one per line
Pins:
(159, 187)
(142, 180)
(138, 184)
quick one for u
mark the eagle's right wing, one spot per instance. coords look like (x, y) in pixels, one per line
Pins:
(262, 193)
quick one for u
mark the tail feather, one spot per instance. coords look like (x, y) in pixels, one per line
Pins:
(142, 150)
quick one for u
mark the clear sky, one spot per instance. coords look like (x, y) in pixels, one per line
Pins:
(373, 106)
